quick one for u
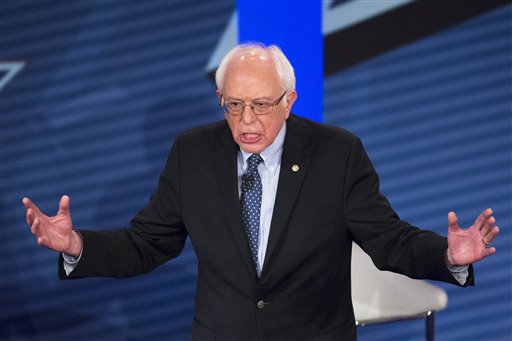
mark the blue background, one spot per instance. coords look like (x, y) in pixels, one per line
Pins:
(106, 87)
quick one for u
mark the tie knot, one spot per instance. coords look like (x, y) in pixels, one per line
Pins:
(253, 161)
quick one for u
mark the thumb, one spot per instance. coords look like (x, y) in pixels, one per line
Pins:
(453, 222)
(64, 205)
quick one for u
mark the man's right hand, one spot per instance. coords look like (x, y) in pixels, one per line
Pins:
(55, 233)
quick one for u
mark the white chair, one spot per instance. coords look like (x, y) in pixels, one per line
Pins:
(383, 296)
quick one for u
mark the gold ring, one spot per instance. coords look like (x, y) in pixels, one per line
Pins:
(486, 243)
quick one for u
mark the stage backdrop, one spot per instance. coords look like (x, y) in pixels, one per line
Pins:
(92, 95)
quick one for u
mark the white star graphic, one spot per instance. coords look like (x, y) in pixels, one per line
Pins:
(11, 69)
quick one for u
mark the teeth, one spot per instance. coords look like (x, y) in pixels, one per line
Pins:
(249, 135)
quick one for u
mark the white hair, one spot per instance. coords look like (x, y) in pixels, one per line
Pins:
(284, 69)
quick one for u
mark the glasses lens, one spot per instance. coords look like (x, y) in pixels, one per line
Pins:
(235, 106)
(261, 107)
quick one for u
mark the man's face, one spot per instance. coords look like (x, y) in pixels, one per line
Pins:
(249, 78)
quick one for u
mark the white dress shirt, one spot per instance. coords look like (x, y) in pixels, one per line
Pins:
(269, 173)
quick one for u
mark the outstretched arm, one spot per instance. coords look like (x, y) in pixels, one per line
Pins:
(467, 246)
(55, 233)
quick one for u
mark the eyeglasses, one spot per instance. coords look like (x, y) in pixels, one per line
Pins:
(236, 107)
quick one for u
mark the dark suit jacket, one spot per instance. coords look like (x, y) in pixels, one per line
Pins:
(304, 288)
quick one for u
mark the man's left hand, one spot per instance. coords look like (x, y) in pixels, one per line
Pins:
(466, 246)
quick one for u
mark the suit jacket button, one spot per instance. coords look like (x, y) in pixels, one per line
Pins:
(260, 304)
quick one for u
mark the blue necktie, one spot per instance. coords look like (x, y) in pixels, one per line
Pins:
(250, 203)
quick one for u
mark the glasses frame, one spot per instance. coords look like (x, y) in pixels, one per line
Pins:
(225, 107)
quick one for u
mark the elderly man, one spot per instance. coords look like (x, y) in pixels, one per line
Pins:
(271, 203)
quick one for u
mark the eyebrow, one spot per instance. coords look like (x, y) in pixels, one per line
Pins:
(264, 98)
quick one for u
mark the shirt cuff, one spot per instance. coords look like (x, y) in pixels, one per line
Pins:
(459, 272)
(71, 262)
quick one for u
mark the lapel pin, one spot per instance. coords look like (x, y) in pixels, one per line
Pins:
(295, 168)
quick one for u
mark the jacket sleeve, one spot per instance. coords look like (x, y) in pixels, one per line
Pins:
(393, 244)
(156, 234)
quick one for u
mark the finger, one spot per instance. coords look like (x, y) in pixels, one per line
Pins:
(482, 218)
(30, 217)
(34, 228)
(36, 231)
(489, 238)
(64, 205)
(29, 204)
(488, 226)
(489, 251)
(26, 202)
(40, 241)
(453, 222)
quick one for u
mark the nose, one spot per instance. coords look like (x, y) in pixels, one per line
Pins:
(248, 116)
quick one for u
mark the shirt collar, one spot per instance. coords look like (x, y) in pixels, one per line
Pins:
(271, 155)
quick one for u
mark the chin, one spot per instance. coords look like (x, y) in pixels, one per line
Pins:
(253, 149)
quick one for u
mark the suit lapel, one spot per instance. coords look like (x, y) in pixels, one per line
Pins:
(227, 175)
(294, 166)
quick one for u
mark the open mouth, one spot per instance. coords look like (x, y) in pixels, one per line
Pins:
(249, 137)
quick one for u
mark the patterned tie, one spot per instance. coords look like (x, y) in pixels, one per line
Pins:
(250, 202)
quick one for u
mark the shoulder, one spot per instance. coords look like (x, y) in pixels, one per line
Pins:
(205, 136)
(208, 131)
(320, 132)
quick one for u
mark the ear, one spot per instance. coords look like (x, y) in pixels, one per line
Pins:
(291, 97)
(219, 97)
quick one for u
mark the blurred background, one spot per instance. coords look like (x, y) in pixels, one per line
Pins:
(92, 94)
